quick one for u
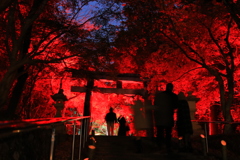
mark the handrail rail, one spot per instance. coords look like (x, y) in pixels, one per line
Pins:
(21, 124)
(224, 122)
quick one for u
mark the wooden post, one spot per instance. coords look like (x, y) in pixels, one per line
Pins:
(88, 94)
(119, 84)
(224, 149)
(213, 127)
(204, 144)
(87, 111)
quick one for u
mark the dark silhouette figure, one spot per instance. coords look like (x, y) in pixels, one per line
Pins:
(184, 124)
(110, 119)
(122, 131)
(165, 102)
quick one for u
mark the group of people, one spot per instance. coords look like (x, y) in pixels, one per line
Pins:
(165, 104)
(111, 118)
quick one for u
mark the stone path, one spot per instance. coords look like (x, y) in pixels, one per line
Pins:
(123, 148)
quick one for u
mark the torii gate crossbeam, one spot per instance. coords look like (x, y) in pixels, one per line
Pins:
(91, 76)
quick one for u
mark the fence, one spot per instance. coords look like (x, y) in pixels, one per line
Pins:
(40, 134)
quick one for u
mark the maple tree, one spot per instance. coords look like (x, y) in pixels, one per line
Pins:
(208, 37)
(203, 32)
(42, 32)
(190, 43)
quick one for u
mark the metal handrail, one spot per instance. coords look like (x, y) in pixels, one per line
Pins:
(9, 128)
(223, 122)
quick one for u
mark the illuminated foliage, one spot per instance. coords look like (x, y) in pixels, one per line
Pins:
(198, 40)
(193, 44)
(43, 32)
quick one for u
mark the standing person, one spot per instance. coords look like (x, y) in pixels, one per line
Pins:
(122, 131)
(110, 119)
(166, 102)
(184, 124)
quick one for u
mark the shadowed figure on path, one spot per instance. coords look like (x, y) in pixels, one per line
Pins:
(110, 119)
(184, 124)
(123, 128)
(166, 102)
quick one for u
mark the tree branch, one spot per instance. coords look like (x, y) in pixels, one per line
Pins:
(55, 60)
(183, 51)
(186, 73)
(230, 53)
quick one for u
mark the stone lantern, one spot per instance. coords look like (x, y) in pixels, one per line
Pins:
(59, 98)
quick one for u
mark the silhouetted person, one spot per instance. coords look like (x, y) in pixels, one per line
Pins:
(110, 119)
(122, 126)
(184, 124)
(165, 101)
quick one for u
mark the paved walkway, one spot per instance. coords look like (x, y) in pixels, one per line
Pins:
(123, 148)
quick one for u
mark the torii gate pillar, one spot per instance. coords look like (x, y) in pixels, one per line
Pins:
(89, 87)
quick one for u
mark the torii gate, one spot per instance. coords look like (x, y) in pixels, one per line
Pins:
(91, 76)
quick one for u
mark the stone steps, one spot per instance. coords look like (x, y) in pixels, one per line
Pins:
(124, 148)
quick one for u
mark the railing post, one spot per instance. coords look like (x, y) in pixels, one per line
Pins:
(73, 142)
(52, 143)
(84, 132)
(80, 140)
(206, 135)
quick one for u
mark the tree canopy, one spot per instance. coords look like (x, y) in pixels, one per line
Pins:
(192, 43)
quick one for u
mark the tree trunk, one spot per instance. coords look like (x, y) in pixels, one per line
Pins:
(5, 87)
(229, 128)
(226, 103)
(16, 96)
(21, 80)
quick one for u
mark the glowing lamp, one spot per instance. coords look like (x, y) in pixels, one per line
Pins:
(202, 136)
(16, 131)
(91, 147)
(223, 143)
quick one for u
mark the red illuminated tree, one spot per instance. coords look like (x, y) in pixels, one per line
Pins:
(232, 7)
(202, 32)
(41, 32)
(207, 36)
